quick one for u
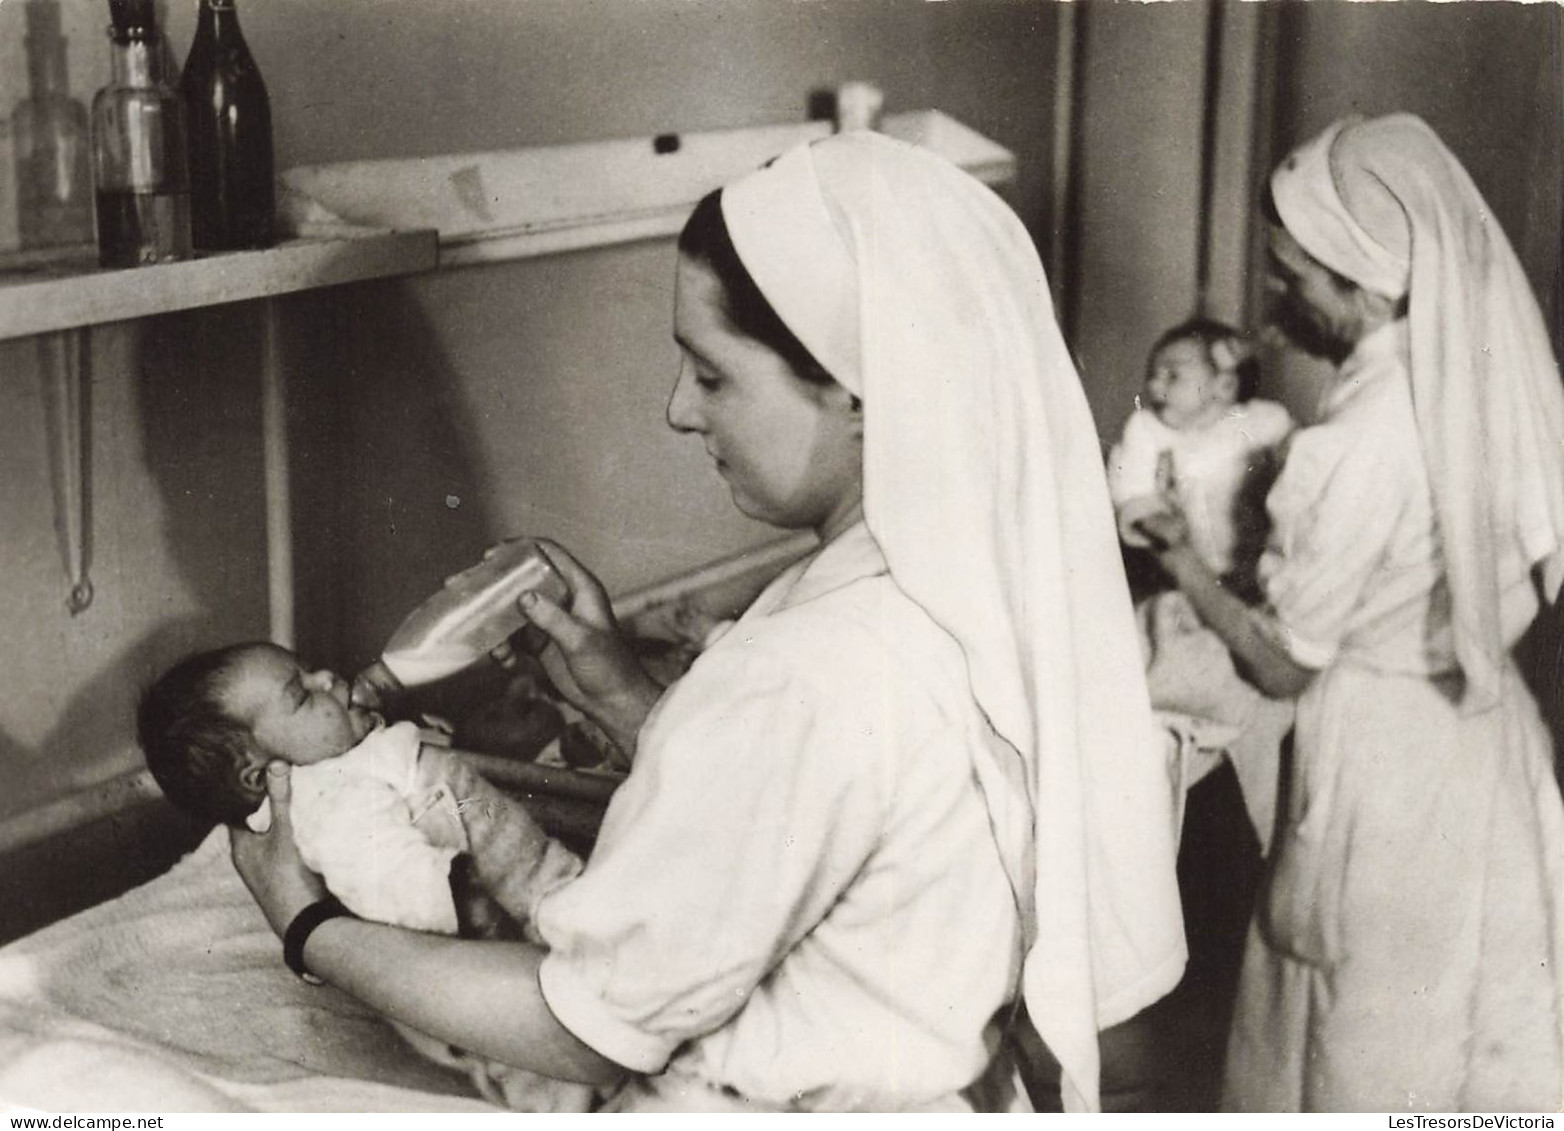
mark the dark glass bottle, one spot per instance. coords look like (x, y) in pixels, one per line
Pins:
(232, 198)
(49, 132)
(138, 149)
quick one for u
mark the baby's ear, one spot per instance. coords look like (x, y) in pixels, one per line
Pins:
(252, 773)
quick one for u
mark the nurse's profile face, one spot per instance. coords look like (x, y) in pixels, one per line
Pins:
(1317, 311)
(790, 450)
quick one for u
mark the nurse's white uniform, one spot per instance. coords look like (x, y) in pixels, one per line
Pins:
(796, 901)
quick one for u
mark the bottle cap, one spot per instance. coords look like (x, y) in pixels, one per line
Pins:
(132, 20)
(858, 106)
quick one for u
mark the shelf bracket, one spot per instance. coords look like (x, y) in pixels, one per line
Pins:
(65, 364)
(279, 494)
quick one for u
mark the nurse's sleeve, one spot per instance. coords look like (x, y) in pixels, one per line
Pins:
(1333, 510)
(755, 799)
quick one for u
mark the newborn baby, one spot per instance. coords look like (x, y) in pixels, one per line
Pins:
(391, 824)
(1203, 439)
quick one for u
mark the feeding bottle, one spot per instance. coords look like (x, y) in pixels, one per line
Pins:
(471, 615)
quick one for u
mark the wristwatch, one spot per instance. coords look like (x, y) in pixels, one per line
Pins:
(299, 931)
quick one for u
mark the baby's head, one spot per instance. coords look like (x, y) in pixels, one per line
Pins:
(210, 725)
(1197, 371)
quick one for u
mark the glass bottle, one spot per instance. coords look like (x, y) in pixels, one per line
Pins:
(232, 198)
(49, 138)
(471, 615)
(138, 149)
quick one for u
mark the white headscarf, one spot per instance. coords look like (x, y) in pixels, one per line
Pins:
(920, 290)
(1384, 203)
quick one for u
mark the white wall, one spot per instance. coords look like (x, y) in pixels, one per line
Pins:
(1138, 170)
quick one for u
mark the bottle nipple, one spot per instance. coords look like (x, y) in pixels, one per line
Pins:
(373, 685)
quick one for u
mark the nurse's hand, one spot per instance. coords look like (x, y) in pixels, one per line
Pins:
(1169, 534)
(587, 656)
(1164, 530)
(269, 863)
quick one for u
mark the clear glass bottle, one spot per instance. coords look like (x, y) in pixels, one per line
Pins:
(232, 198)
(49, 139)
(472, 614)
(139, 166)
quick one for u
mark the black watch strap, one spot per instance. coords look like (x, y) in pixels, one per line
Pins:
(299, 931)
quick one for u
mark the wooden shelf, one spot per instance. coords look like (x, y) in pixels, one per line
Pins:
(45, 292)
(511, 204)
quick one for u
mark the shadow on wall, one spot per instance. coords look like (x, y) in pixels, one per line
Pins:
(389, 495)
(194, 399)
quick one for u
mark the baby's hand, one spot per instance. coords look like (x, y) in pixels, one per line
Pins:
(1129, 519)
(1164, 530)
(435, 730)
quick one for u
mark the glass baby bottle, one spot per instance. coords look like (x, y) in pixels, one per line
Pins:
(472, 614)
(139, 165)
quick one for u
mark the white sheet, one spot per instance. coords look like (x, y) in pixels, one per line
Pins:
(174, 998)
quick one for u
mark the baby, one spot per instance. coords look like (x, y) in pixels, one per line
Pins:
(1201, 436)
(389, 822)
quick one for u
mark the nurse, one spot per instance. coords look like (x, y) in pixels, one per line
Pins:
(1409, 951)
(919, 778)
